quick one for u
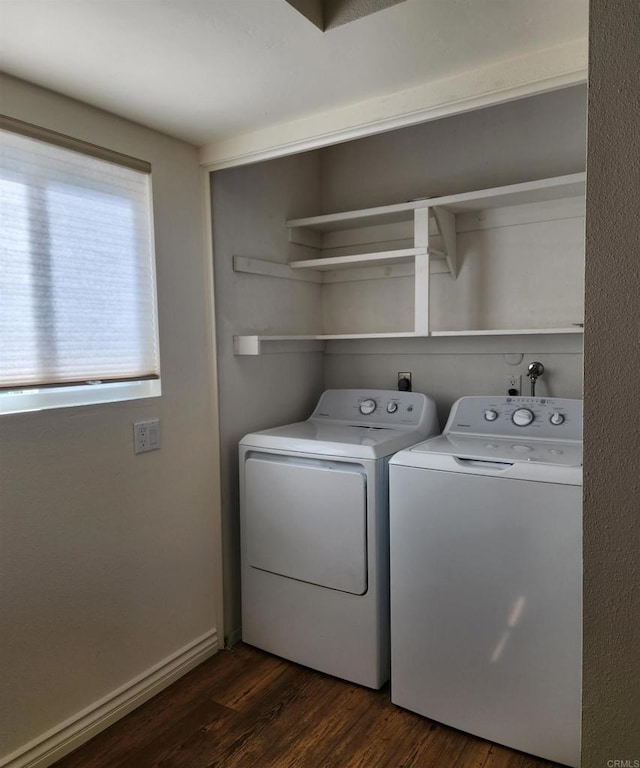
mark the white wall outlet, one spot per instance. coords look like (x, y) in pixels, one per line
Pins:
(146, 436)
(513, 384)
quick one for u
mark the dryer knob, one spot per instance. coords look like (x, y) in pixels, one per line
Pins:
(367, 407)
(522, 417)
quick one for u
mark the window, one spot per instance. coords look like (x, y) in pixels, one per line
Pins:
(78, 312)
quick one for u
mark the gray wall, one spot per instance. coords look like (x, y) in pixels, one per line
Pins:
(250, 206)
(611, 695)
(109, 559)
(533, 138)
(447, 369)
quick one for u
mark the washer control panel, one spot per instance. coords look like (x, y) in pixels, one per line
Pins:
(546, 418)
(378, 408)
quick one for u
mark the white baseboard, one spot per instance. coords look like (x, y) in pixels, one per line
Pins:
(69, 735)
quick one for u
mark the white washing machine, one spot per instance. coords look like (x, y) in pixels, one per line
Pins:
(315, 530)
(486, 574)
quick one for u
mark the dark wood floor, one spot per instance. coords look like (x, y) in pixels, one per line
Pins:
(246, 709)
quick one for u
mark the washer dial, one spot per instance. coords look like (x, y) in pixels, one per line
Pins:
(490, 414)
(522, 417)
(557, 418)
(392, 407)
(367, 407)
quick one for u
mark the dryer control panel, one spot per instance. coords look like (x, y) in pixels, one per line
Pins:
(380, 408)
(545, 418)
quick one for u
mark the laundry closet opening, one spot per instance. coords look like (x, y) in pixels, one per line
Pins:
(505, 282)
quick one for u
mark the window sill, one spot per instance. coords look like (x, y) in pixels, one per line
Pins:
(67, 397)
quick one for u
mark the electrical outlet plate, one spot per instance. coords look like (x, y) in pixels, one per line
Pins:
(513, 381)
(146, 436)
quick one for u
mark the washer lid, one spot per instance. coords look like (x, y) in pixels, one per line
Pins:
(504, 449)
(336, 438)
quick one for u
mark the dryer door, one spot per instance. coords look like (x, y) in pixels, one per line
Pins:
(307, 520)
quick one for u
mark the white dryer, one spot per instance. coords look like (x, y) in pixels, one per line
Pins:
(315, 530)
(486, 574)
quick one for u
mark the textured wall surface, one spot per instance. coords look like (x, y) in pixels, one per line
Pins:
(109, 559)
(611, 697)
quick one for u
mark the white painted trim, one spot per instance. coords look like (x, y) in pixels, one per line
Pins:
(534, 73)
(214, 413)
(70, 734)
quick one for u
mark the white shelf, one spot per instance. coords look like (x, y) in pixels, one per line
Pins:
(384, 214)
(542, 190)
(440, 211)
(571, 185)
(421, 224)
(345, 336)
(253, 344)
(372, 259)
(510, 331)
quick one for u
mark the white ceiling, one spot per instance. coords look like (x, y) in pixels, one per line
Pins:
(210, 70)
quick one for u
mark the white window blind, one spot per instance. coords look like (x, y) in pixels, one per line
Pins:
(77, 268)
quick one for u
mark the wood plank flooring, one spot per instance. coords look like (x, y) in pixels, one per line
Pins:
(247, 709)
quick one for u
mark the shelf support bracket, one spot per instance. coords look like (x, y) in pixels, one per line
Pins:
(446, 223)
(274, 269)
(246, 345)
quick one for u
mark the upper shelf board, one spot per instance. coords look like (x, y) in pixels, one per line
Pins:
(541, 190)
